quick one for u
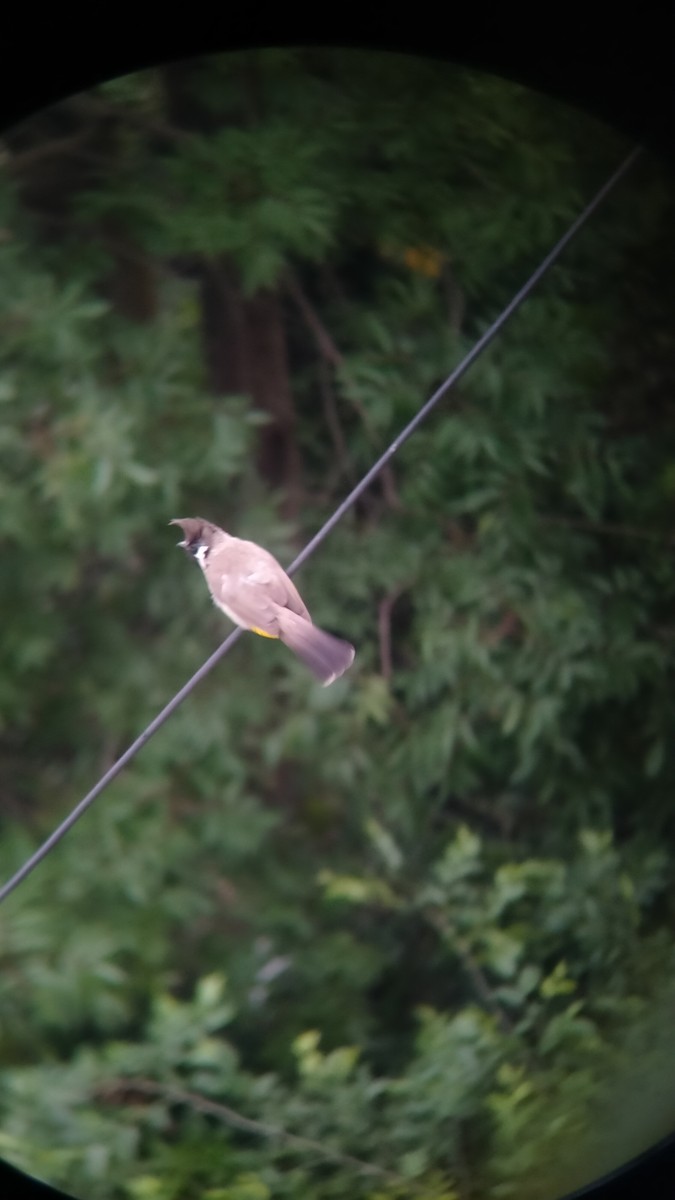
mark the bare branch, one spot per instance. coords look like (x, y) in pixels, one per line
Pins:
(472, 967)
(333, 422)
(384, 630)
(333, 355)
(25, 160)
(122, 1090)
(323, 338)
(609, 527)
(455, 301)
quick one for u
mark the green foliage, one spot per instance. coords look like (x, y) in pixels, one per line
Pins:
(410, 936)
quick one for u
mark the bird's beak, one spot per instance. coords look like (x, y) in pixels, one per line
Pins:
(181, 544)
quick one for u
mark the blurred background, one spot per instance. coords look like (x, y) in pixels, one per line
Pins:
(410, 936)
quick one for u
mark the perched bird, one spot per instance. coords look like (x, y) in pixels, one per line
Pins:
(252, 588)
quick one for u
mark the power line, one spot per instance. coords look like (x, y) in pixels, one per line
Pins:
(482, 343)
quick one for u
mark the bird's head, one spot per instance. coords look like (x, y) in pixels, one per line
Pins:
(199, 536)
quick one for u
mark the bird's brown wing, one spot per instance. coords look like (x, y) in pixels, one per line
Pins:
(254, 585)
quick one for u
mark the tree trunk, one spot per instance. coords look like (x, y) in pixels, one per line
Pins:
(246, 352)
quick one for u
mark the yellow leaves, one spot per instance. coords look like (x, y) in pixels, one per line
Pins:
(421, 260)
(312, 1063)
(424, 260)
(514, 1086)
(146, 1187)
(356, 890)
(558, 983)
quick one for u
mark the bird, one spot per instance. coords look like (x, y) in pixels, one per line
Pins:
(248, 584)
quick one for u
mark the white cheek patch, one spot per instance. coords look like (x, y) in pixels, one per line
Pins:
(201, 554)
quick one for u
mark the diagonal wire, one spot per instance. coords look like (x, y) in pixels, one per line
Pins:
(478, 348)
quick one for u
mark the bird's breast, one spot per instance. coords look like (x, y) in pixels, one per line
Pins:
(227, 610)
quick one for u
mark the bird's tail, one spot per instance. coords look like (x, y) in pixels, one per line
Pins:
(326, 656)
